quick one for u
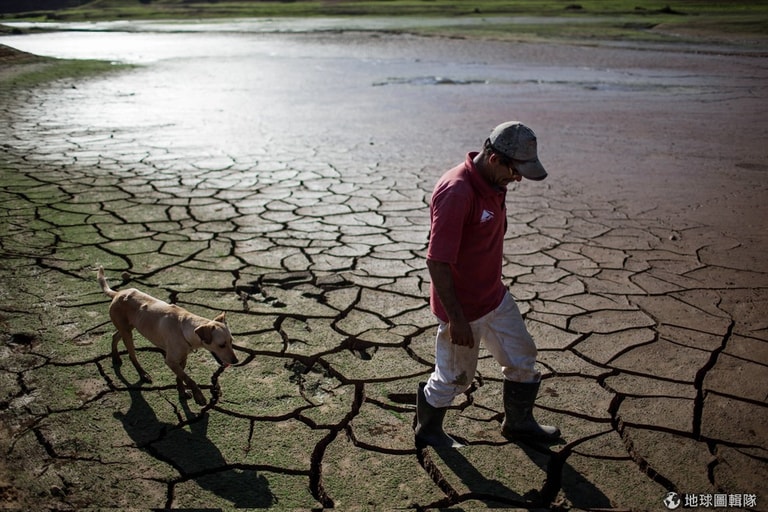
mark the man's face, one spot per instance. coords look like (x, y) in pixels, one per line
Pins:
(501, 171)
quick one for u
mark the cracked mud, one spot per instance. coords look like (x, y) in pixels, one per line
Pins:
(639, 267)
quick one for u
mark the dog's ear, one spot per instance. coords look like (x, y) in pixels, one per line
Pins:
(221, 318)
(205, 333)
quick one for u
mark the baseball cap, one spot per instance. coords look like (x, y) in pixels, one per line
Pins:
(516, 141)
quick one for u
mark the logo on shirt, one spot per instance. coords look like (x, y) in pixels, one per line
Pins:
(486, 216)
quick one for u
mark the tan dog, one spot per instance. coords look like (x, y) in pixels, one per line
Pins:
(176, 331)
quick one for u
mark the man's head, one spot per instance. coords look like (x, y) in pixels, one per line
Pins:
(514, 145)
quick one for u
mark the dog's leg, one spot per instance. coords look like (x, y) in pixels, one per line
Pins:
(184, 393)
(127, 336)
(182, 380)
(116, 361)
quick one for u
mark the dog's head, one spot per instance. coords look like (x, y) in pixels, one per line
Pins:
(217, 339)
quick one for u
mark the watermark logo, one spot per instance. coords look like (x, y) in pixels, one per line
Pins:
(672, 500)
(675, 500)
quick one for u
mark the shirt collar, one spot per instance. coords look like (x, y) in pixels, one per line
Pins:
(478, 182)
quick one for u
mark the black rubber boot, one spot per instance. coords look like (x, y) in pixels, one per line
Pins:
(429, 423)
(518, 413)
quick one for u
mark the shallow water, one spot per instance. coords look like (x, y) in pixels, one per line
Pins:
(242, 92)
(229, 89)
(250, 90)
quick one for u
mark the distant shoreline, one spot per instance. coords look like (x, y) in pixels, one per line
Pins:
(734, 23)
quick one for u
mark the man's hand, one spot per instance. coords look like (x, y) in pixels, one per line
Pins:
(461, 334)
(458, 327)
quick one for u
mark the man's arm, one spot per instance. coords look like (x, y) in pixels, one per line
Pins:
(442, 280)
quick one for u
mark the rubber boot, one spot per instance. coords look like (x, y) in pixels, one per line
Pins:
(429, 423)
(518, 413)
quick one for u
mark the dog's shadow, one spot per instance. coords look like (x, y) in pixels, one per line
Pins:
(190, 452)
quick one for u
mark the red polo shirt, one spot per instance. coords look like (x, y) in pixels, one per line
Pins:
(468, 222)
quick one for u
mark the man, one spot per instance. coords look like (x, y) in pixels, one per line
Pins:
(464, 258)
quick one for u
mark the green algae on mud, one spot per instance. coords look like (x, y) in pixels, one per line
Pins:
(24, 70)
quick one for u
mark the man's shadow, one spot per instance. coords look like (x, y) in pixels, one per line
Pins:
(493, 493)
(191, 453)
(560, 476)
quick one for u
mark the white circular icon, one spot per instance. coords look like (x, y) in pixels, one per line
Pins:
(672, 500)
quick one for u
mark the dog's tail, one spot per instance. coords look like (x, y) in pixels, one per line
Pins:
(103, 282)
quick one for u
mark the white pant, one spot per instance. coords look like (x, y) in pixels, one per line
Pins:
(505, 336)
